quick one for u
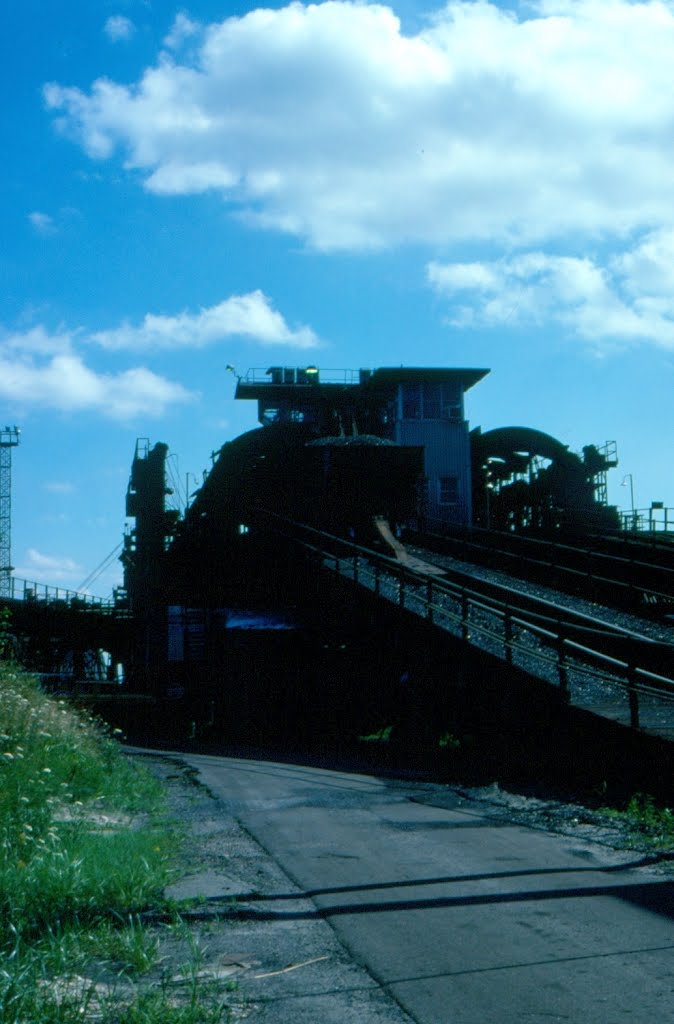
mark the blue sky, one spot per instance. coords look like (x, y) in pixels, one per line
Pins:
(186, 187)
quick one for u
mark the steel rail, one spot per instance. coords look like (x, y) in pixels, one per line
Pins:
(620, 579)
(648, 549)
(569, 645)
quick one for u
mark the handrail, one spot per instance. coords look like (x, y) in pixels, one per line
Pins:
(30, 590)
(260, 375)
(646, 520)
(563, 643)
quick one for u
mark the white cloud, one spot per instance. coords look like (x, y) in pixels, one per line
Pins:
(457, 277)
(63, 382)
(328, 122)
(183, 28)
(650, 266)
(42, 223)
(51, 569)
(631, 299)
(118, 28)
(40, 561)
(45, 368)
(38, 340)
(185, 178)
(250, 316)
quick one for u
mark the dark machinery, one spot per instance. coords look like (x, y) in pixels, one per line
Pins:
(522, 480)
(525, 480)
(189, 582)
(361, 458)
(336, 484)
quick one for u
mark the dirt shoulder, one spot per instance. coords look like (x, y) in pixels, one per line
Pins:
(278, 971)
(616, 831)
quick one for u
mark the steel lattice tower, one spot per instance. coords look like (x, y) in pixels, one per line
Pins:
(9, 438)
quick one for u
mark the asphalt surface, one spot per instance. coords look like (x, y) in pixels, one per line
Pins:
(398, 901)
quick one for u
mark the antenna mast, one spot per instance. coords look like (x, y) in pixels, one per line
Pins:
(9, 438)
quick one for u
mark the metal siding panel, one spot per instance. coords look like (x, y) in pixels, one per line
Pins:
(446, 453)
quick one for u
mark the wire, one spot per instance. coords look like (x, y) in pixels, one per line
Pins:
(176, 484)
(101, 568)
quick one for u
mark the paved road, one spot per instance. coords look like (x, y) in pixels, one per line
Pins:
(461, 918)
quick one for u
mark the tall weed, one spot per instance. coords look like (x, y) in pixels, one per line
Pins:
(66, 854)
(83, 852)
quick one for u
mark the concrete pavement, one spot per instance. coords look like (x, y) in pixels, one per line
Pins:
(406, 901)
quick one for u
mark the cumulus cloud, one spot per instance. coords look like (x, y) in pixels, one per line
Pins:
(46, 368)
(629, 299)
(38, 340)
(51, 569)
(329, 122)
(59, 379)
(248, 316)
(649, 267)
(118, 28)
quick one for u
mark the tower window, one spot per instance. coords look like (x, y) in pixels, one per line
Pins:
(430, 401)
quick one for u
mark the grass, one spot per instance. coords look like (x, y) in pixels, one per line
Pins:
(85, 852)
(649, 824)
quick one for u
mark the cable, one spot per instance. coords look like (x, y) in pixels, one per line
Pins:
(101, 568)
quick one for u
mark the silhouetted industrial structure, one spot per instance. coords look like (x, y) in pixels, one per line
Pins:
(525, 480)
(365, 455)
(9, 438)
(406, 407)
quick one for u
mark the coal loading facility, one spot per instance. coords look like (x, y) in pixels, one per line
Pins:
(527, 481)
(216, 596)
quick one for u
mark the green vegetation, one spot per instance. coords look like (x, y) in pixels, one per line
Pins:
(649, 824)
(387, 734)
(382, 735)
(448, 741)
(5, 621)
(85, 852)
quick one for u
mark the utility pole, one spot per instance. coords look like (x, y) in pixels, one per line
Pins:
(9, 438)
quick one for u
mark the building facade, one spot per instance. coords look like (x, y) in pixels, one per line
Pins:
(418, 407)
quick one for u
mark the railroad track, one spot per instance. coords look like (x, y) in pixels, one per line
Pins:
(616, 671)
(596, 663)
(621, 573)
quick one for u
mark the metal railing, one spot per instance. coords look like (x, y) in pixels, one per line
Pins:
(298, 375)
(29, 590)
(648, 520)
(593, 664)
(621, 576)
